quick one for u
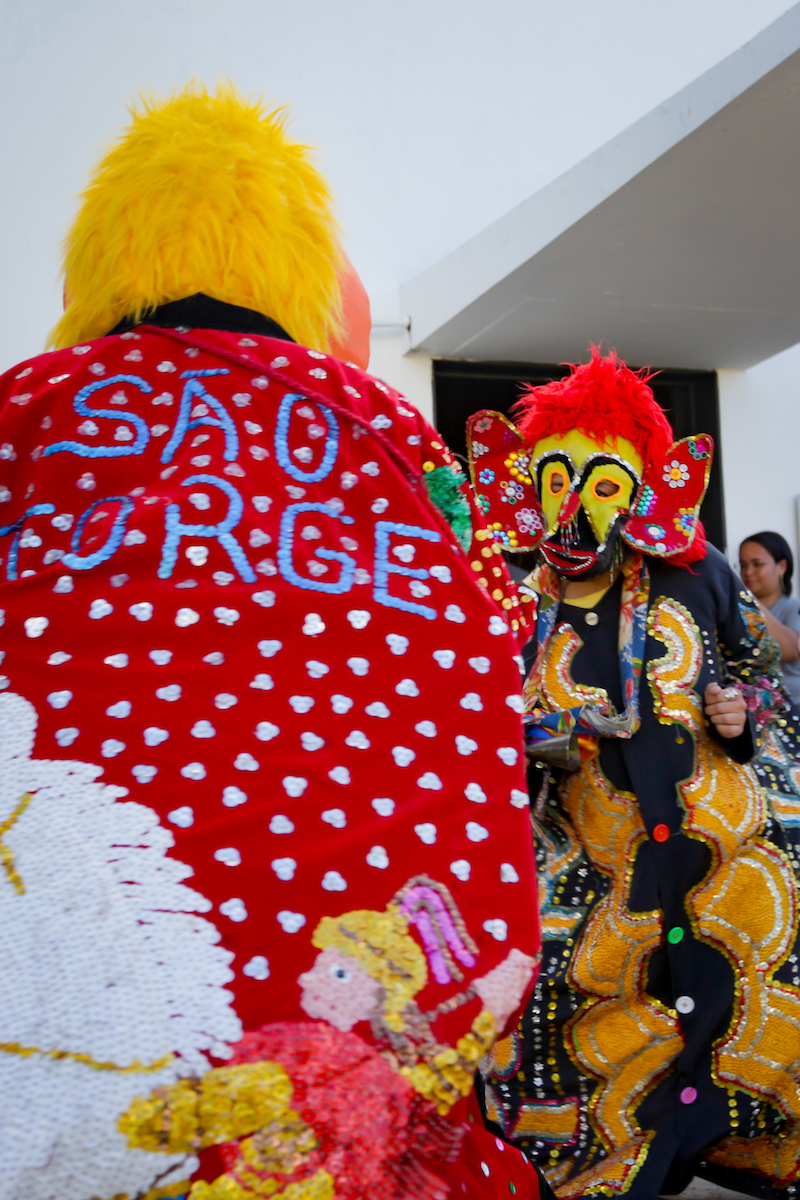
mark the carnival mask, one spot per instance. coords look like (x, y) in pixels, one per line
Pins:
(577, 499)
(585, 490)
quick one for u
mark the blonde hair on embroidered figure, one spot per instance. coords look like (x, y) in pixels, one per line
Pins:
(382, 946)
(204, 193)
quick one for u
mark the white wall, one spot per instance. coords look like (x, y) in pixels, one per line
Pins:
(760, 414)
(433, 117)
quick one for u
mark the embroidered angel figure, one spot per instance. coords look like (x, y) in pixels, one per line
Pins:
(370, 968)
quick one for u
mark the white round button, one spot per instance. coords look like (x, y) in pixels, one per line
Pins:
(591, 618)
(684, 1004)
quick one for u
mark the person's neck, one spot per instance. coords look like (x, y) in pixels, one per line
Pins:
(771, 598)
(577, 588)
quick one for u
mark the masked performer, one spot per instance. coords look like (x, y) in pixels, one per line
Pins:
(663, 1038)
(265, 873)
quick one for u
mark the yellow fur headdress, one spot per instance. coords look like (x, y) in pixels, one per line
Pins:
(204, 193)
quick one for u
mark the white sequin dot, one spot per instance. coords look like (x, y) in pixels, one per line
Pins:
(233, 796)
(228, 855)
(257, 967)
(183, 817)
(332, 881)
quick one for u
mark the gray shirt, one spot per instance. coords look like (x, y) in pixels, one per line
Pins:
(787, 611)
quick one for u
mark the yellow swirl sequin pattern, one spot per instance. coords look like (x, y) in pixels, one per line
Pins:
(746, 906)
(621, 1036)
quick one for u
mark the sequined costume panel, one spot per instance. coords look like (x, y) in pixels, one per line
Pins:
(265, 868)
(663, 1038)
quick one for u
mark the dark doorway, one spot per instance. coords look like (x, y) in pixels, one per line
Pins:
(689, 399)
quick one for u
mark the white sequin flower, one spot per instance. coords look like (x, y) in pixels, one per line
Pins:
(465, 745)
(332, 881)
(676, 474)
(407, 687)
(185, 617)
(335, 817)
(403, 755)
(284, 868)
(461, 869)
(377, 857)
(294, 785)
(193, 770)
(383, 806)
(203, 729)
(476, 832)
(508, 755)
(232, 796)
(234, 909)
(426, 832)
(245, 762)
(311, 741)
(281, 824)
(265, 731)
(480, 663)
(290, 922)
(143, 611)
(453, 613)
(472, 702)
(257, 967)
(269, 647)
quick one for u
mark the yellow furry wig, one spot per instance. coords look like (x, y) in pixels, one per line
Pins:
(204, 193)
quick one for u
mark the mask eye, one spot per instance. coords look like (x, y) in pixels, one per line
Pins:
(557, 481)
(339, 973)
(605, 488)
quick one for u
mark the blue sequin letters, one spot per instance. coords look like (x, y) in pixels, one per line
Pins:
(176, 530)
(285, 545)
(384, 567)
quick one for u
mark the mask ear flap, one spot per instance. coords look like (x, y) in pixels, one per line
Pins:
(664, 518)
(499, 466)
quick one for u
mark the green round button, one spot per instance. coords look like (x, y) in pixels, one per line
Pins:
(675, 935)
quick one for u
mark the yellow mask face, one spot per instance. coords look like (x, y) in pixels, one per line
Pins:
(603, 475)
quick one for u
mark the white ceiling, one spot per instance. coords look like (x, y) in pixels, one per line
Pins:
(678, 242)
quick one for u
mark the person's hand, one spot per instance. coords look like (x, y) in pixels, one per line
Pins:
(502, 989)
(726, 709)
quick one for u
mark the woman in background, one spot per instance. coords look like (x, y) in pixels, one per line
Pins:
(766, 565)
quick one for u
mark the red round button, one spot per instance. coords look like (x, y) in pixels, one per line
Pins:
(661, 833)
